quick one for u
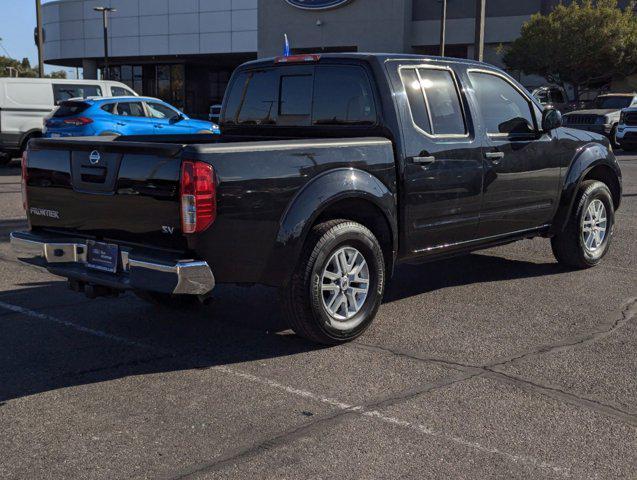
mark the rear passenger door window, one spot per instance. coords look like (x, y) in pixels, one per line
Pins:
(434, 101)
(416, 98)
(443, 102)
(130, 109)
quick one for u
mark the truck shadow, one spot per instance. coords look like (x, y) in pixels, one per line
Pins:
(411, 280)
(56, 339)
(8, 226)
(11, 169)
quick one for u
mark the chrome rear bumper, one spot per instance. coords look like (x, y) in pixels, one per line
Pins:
(137, 270)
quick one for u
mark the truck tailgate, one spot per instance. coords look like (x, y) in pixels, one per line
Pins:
(105, 189)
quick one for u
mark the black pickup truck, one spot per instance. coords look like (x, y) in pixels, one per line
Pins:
(330, 170)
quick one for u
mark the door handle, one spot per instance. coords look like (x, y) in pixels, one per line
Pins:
(121, 124)
(495, 157)
(423, 160)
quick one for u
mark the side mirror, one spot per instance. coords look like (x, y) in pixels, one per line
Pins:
(177, 118)
(551, 119)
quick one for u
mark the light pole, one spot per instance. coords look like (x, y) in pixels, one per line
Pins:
(481, 7)
(443, 27)
(39, 39)
(105, 11)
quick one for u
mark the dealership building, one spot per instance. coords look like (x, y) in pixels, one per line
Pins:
(184, 51)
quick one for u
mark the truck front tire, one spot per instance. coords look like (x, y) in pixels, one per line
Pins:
(338, 285)
(587, 236)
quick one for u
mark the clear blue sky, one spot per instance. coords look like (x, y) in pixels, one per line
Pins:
(17, 21)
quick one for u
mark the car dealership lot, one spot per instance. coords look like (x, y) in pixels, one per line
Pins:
(497, 365)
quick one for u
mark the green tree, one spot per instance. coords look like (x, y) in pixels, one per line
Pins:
(583, 43)
(8, 66)
(57, 74)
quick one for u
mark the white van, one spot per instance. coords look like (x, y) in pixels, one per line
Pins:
(25, 102)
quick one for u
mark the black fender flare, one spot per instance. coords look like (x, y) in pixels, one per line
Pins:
(314, 198)
(586, 159)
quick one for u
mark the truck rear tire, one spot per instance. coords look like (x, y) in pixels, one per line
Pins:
(587, 236)
(338, 285)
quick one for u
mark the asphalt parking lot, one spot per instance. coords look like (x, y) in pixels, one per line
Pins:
(497, 365)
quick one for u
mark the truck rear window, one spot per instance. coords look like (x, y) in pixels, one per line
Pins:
(325, 95)
(67, 109)
(343, 96)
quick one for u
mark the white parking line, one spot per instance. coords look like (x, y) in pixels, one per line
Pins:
(357, 409)
(80, 328)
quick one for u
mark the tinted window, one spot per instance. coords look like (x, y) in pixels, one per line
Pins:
(259, 99)
(158, 110)
(342, 96)
(416, 99)
(109, 107)
(130, 109)
(443, 102)
(503, 108)
(67, 109)
(295, 97)
(63, 92)
(121, 92)
(235, 96)
(557, 96)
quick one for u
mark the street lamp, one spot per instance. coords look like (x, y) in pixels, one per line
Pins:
(443, 27)
(481, 7)
(39, 37)
(105, 11)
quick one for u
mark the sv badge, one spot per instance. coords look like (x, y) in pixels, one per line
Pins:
(167, 230)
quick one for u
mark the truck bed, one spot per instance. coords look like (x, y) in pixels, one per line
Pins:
(131, 196)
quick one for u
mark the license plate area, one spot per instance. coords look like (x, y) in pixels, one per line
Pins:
(102, 256)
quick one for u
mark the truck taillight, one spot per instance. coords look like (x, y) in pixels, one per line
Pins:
(198, 196)
(25, 202)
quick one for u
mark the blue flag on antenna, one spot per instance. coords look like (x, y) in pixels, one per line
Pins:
(286, 45)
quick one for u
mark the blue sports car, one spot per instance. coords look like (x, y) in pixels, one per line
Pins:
(121, 116)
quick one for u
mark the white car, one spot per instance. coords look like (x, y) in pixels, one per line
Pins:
(626, 136)
(26, 102)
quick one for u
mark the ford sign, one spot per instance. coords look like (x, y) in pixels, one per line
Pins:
(317, 4)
